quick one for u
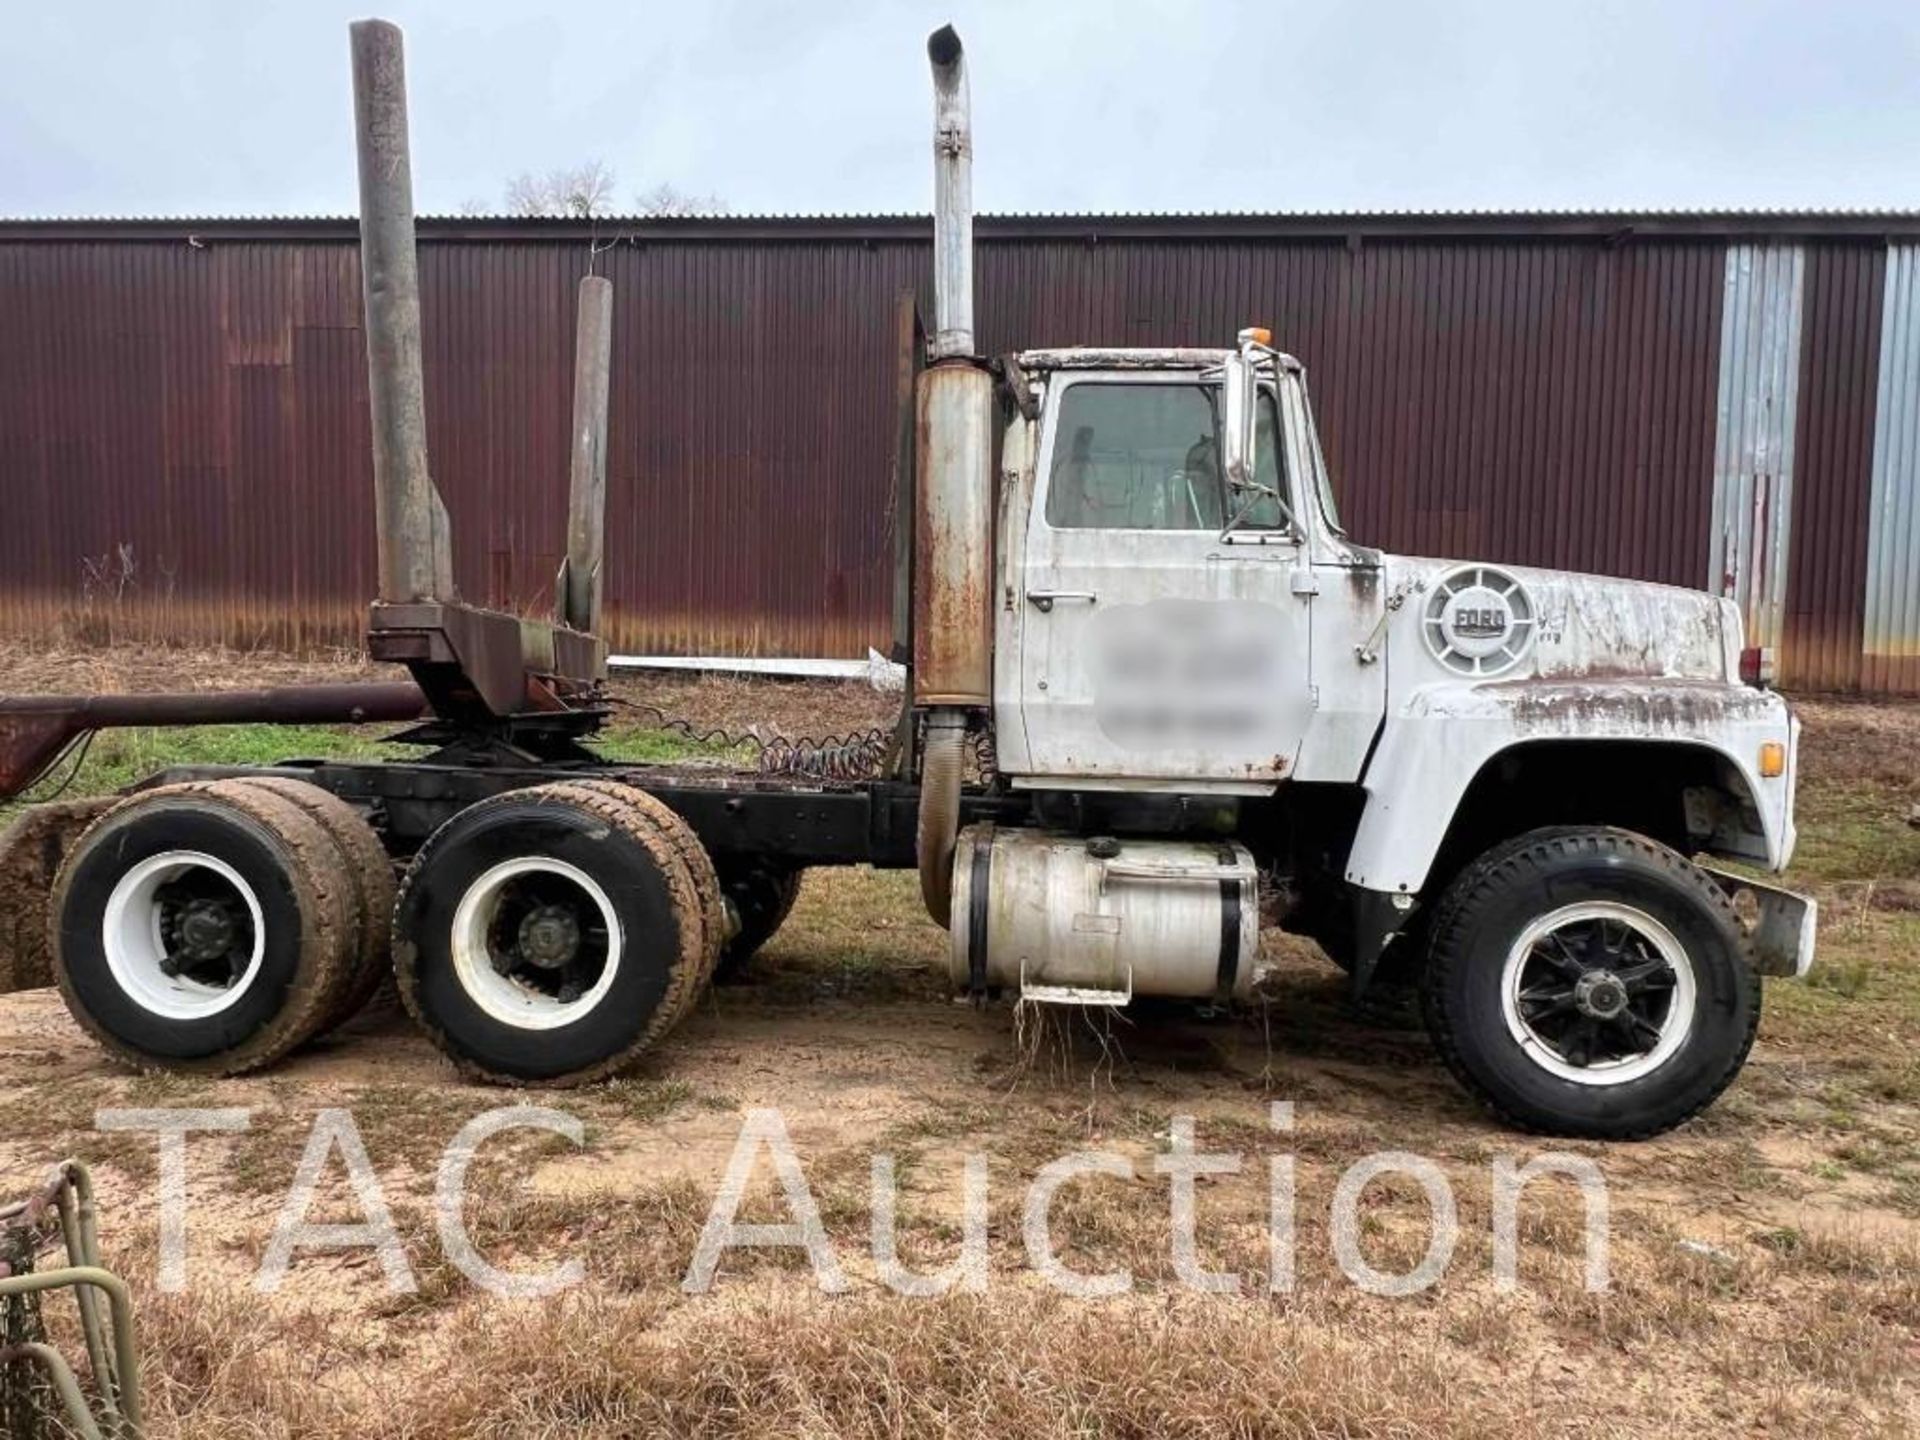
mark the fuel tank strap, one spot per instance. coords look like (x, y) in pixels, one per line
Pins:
(979, 881)
(1229, 973)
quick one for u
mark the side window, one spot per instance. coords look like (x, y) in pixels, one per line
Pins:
(1136, 457)
(1265, 508)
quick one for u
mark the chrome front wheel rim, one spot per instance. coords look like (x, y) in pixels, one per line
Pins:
(1598, 993)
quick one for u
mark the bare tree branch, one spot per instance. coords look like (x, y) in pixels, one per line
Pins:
(666, 200)
(584, 191)
(578, 191)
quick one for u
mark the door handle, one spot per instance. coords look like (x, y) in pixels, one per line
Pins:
(1044, 599)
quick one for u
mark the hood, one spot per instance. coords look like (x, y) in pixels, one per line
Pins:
(1466, 620)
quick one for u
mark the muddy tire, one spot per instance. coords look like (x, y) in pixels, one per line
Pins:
(370, 880)
(1591, 983)
(204, 928)
(761, 900)
(550, 936)
(700, 867)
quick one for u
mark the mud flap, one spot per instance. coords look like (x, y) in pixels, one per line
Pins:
(1782, 933)
(31, 850)
(1376, 920)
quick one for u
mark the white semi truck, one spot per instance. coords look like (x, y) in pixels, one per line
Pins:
(1209, 712)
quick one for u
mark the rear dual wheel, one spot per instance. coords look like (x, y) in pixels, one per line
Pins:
(553, 935)
(212, 927)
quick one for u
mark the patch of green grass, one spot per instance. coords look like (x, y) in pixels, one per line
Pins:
(118, 758)
(1846, 978)
(1854, 830)
(665, 747)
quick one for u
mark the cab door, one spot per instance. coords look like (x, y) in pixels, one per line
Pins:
(1165, 630)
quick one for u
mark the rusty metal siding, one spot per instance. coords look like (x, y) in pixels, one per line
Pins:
(1545, 396)
(1759, 391)
(1548, 403)
(1833, 463)
(1892, 620)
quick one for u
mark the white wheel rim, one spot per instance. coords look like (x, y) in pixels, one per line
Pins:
(525, 998)
(1548, 958)
(132, 936)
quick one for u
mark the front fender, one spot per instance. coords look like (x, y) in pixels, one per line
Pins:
(1433, 746)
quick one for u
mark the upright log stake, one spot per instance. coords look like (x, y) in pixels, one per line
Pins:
(578, 592)
(416, 560)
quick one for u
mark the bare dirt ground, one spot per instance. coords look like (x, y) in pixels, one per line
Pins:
(1765, 1260)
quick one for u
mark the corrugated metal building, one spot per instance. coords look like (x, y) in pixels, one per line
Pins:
(1729, 401)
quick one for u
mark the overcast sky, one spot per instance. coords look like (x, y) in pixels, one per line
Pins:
(192, 107)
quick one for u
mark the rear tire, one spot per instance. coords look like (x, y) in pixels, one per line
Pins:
(761, 900)
(550, 936)
(1591, 983)
(700, 868)
(370, 880)
(204, 928)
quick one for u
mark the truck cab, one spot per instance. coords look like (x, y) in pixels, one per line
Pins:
(1189, 645)
(1181, 609)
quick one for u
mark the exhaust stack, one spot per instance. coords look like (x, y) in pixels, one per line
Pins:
(416, 560)
(952, 197)
(953, 536)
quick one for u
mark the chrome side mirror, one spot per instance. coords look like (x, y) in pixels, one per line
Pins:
(1236, 423)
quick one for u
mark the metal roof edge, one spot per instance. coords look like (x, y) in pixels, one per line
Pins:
(1326, 226)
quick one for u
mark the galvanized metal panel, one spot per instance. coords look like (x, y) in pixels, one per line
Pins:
(1892, 618)
(1753, 449)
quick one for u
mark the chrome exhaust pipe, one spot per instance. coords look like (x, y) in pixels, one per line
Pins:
(952, 197)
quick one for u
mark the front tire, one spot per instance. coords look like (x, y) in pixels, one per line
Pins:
(1589, 983)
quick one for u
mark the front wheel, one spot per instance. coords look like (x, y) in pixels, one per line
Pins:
(1589, 982)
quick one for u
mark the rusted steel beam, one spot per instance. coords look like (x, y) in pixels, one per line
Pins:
(33, 728)
(416, 561)
(578, 597)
